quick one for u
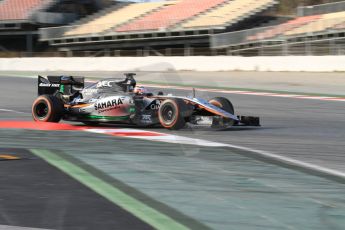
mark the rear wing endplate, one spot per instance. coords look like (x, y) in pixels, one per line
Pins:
(65, 84)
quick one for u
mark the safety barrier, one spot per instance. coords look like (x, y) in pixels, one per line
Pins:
(199, 63)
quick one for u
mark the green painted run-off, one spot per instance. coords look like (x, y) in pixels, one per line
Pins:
(137, 208)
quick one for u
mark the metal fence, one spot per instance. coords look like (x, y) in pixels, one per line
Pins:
(321, 9)
(70, 31)
(280, 33)
(191, 51)
(109, 29)
(306, 48)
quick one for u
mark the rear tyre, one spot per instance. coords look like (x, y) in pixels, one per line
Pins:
(225, 105)
(47, 108)
(172, 114)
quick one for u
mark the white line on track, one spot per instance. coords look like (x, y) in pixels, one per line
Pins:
(175, 139)
(7, 227)
(156, 136)
(18, 75)
(12, 111)
(291, 161)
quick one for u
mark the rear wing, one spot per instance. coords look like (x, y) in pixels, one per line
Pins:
(63, 84)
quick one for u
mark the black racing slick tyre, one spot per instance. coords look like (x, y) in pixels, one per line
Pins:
(172, 114)
(47, 108)
(225, 105)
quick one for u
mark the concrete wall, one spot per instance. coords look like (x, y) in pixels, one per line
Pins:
(217, 63)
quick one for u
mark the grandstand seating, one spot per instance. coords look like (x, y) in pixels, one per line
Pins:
(303, 25)
(325, 22)
(282, 28)
(340, 26)
(228, 13)
(117, 17)
(168, 16)
(19, 9)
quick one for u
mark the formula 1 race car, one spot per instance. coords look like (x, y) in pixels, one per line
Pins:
(120, 101)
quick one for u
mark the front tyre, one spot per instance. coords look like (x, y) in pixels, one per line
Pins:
(225, 105)
(171, 114)
(47, 108)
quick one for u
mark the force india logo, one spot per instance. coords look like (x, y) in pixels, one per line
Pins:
(115, 103)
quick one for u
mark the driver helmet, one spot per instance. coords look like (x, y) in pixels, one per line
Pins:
(139, 90)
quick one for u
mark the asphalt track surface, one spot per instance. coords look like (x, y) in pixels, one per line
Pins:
(53, 201)
(307, 130)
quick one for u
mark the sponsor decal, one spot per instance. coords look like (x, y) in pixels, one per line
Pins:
(48, 85)
(132, 110)
(89, 91)
(154, 105)
(104, 84)
(146, 119)
(105, 106)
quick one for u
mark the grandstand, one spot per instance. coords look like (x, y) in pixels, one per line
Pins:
(116, 17)
(228, 13)
(20, 20)
(12, 10)
(217, 26)
(13, 13)
(17, 28)
(171, 24)
(324, 28)
(303, 25)
(322, 23)
(282, 28)
(340, 26)
(164, 18)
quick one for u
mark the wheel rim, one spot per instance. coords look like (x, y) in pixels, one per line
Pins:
(168, 114)
(41, 110)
